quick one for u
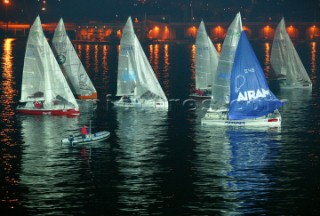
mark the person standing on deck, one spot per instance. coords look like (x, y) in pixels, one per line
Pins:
(84, 131)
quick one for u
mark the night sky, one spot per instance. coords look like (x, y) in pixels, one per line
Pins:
(175, 10)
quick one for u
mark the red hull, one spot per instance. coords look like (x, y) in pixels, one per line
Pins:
(72, 112)
(86, 97)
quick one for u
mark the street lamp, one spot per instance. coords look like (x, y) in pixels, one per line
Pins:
(6, 3)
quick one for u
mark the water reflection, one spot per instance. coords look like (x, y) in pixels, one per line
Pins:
(166, 81)
(253, 154)
(297, 110)
(154, 58)
(313, 62)
(87, 57)
(233, 169)
(79, 50)
(267, 59)
(96, 59)
(139, 136)
(211, 167)
(9, 132)
(53, 174)
(6, 86)
(193, 67)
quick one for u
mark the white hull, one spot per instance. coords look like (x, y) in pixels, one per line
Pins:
(283, 85)
(135, 103)
(200, 97)
(220, 119)
(99, 136)
(296, 87)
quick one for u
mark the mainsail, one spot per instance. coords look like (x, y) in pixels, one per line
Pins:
(285, 61)
(135, 74)
(221, 80)
(71, 65)
(42, 78)
(206, 59)
(250, 96)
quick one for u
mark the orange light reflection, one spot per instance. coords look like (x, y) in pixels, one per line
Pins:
(166, 70)
(267, 59)
(8, 158)
(96, 58)
(87, 50)
(193, 67)
(313, 61)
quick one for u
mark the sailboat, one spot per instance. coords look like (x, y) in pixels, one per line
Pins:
(251, 102)
(44, 90)
(206, 63)
(287, 68)
(70, 64)
(221, 79)
(136, 84)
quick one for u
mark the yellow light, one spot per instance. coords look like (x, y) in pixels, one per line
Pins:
(6, 1)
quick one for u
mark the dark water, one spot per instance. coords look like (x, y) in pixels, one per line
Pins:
(157, 162)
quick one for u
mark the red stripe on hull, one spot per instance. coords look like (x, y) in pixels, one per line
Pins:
(48, 112)
(92, 96)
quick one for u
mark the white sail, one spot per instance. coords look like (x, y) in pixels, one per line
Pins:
(251, 101)
(42, 77)
(135, 74)
(206, 59)
(71, 65)
(221, 80)
(127, 67)
(285, 61)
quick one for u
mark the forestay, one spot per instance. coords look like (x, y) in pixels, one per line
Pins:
(221, 80)
(250, 96)
(70, 63)
(42, 77)
(206, 59)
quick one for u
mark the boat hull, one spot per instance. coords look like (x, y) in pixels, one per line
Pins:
(58, 112)
(91, 138)
(143, 104)
(94, 95)
(283, 84)
(269, 122)
(220, 119)
(296, 87)
(200, 97)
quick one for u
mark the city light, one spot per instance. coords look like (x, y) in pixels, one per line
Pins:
(6, 3)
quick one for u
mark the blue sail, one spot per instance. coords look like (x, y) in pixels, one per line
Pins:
(250, 96)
